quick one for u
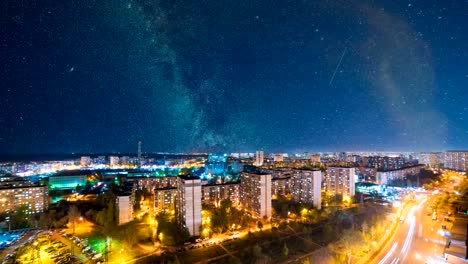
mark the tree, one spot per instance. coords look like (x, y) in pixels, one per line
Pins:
(73, 215)
(285, 250)
(260, 225)
(350, 244)
(20, 217)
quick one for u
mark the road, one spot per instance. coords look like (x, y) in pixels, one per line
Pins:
(416, 240)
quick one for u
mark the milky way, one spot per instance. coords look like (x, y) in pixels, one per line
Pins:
(98, 76)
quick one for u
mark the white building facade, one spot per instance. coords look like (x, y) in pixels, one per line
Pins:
(124, 208)
(306, 187)
(255, 194)
(340, 180)
(189, 203)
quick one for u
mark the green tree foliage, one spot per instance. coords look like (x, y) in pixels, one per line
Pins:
(73, 215)
(127, 234)
(285, 250)
(107, 218)
(223, 219)
(20, 218)
(168, 232)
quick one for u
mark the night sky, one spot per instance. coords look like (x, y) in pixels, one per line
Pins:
(98, 76)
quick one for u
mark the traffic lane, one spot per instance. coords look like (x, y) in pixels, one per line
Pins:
(427, 243)
(400, 244)
(395, 244)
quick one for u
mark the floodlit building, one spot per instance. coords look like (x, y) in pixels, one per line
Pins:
(15, 193)
(456, 160)
(113, 161)
(67, 180)
(259, 158)
(124, 206)
(384, 177)
(386, 163)
(255, 193)
(431, 159)
(85, 161)
(315, 158)
(278, 157)
(216, 164)
(164, 199)
(306, 187)
(217, 157)
(188, 203)
(340, 180)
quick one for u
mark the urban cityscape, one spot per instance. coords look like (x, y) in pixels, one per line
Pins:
(295, 132)
(336, 207)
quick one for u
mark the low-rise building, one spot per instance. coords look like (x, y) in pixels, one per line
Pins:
(68, 180)
(384, 177)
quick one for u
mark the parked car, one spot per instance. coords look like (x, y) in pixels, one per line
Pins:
(97, 256)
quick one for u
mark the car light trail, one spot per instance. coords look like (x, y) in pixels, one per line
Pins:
(389, 254)
(409, 237)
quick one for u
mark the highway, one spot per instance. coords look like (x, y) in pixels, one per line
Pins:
(417, 239)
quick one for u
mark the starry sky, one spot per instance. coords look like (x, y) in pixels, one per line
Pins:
(283, 76)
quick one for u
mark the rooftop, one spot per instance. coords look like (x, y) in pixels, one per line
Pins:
(189, 177)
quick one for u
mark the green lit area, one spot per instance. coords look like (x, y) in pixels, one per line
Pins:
(98, 244)
(66, 182)
(156, 173)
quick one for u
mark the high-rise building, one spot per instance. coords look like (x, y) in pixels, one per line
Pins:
(280, 186)
(124, 204)
(215, 194)
(386, 163)
(456, 160)
(124, 160)
(164, 199)
(85, 161)
(15, 193)
(431, 159)
(113, 161)
(340, 180)
(188, 203)
(255, 193)
(259, 158)
(306, 187)
(342, 156)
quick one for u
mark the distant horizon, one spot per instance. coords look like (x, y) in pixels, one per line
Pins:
(25, 156)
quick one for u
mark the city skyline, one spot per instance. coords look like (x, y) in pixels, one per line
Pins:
(209, 77)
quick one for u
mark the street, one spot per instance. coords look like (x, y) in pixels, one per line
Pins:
(417, 239)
